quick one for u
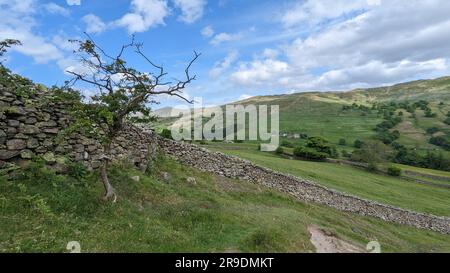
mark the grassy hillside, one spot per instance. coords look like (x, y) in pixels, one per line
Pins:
(359, 182)
(322, 114)
(42, 211)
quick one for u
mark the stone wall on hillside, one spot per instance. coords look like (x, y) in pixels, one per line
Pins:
(302, 189)
(30, 126)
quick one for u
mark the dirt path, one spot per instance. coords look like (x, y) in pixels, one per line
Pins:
(327, 243)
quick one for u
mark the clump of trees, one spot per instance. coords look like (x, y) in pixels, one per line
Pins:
(309, 153)
(316, 148)
(441, 141)
(373, 152)
(447, 121)
(123, 92)
(432, 130)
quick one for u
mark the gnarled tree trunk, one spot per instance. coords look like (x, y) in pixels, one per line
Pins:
(110, 194)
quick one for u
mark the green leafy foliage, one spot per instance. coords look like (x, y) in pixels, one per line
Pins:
(309, 153)
(441, 141)
(166, 133)
(373, 152)
(279, 150)
(394, 171)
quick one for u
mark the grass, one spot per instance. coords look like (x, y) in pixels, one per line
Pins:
(42, 211)
(423, 171)
(372, 186)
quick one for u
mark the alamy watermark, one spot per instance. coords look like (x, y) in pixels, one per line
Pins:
(230, 123)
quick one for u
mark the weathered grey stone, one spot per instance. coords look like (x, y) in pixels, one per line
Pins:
(32, 143)
(6, 154)
(96, 164)
(191, 180)
(46, 124)
(136, 178)
(13, 123)
(11, 131)
(51, 130)
(41, 136)
(26, 154)
(49, 157)
(91, 148)
(166, 176)
(79, 148)
(21, 136)
(60, 149)
(16, 111)
(48, 143)
(30, 129)
(7, 99)
(41, 150)
(16, 144)
(30, 120)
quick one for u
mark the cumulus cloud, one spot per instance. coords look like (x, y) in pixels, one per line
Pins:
(17, 22)
(56, 9)
(383, 44)
(207, 32)
(94, 24)
(225, 37)
(73, 2)
(260, 72)
(315, 11)
(144, 15)
(220, 67)
(191, 10)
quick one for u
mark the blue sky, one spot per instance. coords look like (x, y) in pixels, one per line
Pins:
(249, 47)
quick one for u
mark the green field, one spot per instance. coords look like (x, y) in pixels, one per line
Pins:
(42, 211)
(356, 181)
(321, 114)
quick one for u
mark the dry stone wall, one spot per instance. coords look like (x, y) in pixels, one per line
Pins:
(30, 126)
(302, 189)
(34, 126)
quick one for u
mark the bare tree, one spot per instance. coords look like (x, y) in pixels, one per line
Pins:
(123, 90)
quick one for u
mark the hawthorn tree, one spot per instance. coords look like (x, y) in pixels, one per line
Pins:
(123, 92)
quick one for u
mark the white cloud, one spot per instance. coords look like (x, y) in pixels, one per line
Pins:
(225, 37)
(73, 2)
(94, 24)
(61, 40)
(145, 14)
(382, 45)
(56, 9)
(378, 73)
(191, 10)
(17, 22)
(207, 32)
(260, 72)
(315, 11)
(220, 67)
(270, 53)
